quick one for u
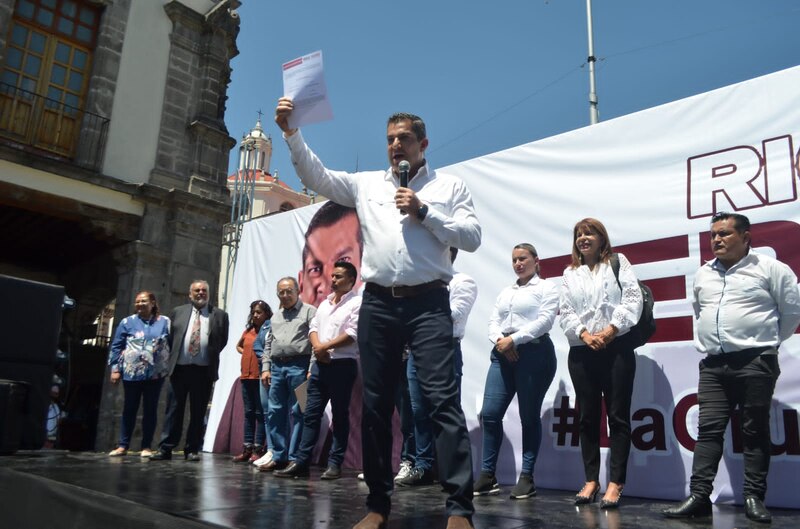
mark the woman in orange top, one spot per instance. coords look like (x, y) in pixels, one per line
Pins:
(254, 431)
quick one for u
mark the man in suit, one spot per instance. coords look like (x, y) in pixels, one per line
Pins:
(199, 333)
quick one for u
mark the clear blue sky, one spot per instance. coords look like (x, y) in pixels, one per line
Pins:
(488, 76)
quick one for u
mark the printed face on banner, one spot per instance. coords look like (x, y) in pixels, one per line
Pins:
(326, 245)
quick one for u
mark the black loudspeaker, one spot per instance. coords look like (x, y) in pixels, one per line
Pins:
(30, 322)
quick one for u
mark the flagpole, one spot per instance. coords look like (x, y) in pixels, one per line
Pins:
(593, 113)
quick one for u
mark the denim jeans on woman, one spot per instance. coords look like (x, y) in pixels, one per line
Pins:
(528, 378)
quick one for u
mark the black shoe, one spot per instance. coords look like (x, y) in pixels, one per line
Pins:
(417, 478)
(691, 507)
(485, 485)
(191, 456)
(612, 504)
(755, 510)
(161, 455)
(524, 488)
(332, 472)
(582, 499)
(294, 470)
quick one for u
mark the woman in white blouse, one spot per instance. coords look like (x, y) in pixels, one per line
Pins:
(523, 362)
(597, 311)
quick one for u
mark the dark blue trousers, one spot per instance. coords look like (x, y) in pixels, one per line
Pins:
(329, 382)
(423, 322)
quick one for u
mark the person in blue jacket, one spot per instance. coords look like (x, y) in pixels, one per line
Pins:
(139, 357)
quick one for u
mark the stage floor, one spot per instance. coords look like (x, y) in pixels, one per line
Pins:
(53, 489)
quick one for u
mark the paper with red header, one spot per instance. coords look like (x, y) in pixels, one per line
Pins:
(304, 83)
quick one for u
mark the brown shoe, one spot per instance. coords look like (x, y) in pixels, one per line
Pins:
(244, 457)
(372, 520)
(459, 522)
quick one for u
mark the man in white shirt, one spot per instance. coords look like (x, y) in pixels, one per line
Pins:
(333, 371)
(407, 232)
(746, 304)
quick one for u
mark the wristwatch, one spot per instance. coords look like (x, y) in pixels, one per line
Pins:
(422, 212)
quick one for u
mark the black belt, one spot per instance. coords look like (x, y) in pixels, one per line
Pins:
(288, 358)
(404, 291)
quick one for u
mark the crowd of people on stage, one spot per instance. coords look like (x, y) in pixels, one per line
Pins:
(403, 326)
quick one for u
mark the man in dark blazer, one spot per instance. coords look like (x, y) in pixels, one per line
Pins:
(199, 333)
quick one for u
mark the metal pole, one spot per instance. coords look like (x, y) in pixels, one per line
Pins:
(593, 113)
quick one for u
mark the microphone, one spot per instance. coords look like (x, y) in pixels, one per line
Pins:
(404, 168)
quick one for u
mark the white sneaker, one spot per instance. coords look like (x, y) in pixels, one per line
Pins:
(360, 476)
(263, 460)
(405, 470)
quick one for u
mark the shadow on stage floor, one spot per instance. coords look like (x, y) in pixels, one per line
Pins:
(60, 490)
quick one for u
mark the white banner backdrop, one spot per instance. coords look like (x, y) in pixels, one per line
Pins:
(654, 178)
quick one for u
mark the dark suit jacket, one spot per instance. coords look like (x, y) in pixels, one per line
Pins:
(217, 336)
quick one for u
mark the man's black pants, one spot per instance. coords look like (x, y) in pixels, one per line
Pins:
(190, 382)
(385, 325)
(744, 379)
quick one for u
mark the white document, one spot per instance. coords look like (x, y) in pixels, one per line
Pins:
(304, 83)
(301, 392)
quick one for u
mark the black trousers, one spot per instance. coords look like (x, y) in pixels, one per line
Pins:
(604, 375)
(190, 382)
(746, 380)
(385, 325)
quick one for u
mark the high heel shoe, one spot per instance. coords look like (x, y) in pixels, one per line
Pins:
(584, 500)
(612, 504)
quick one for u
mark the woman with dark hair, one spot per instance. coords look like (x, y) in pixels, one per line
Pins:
(598, 310)
(523, 362)
(254, 431)
(139, 356)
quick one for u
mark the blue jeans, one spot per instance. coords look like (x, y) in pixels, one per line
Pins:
(147, 391)
(285, 377)
(329, 382)
(423, 322)
(423, 430)
(263, 392)
(253, 413)
(402, 401)
(528, 378)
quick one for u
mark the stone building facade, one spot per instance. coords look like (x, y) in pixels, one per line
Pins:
(113, 163)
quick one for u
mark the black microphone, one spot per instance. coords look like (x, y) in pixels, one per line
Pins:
(404, 167)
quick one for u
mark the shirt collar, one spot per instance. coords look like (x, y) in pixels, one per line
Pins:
(534, 281)
(424, 173)
(295, 307)
(716, 265)
(344, 298)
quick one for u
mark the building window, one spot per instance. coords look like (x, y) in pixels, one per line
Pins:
(45, 76)
(286, 206)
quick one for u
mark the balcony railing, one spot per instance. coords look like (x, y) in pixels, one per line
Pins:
(49, 127)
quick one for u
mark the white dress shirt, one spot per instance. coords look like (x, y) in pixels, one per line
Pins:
(201, 358)
(463, 293)
(524, 312)
(754, 303)
(592, 300)
(334, 319)
(398, 249)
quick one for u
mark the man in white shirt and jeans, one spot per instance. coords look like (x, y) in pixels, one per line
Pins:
(408, 232)
(746, 304)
